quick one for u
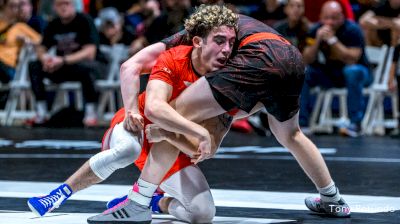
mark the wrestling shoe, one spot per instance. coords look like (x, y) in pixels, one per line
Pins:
(42, 205)
(127, 211)
(338, 209)
(153, 204)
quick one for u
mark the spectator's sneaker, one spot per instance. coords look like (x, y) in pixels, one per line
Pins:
(127, 211)
(90, 121)
(153, 204)
(36, 121)
(242, 125)
(42, 205)
(338, 209)
(351, 130)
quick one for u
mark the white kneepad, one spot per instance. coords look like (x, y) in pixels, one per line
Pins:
(124, 150)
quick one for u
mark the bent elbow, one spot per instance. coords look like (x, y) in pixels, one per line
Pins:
(129, 69)
(152, 111)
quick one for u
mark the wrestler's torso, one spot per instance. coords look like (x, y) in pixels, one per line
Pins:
(173, 67)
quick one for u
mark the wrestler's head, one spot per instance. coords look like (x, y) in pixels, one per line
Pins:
(212, 29)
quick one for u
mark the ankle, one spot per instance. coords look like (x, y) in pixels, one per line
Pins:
(142, 192)
(65, 190)
(329, 193)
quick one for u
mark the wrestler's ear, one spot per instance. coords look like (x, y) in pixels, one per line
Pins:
(197, 41)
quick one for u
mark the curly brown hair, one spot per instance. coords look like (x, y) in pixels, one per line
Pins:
(207, 17)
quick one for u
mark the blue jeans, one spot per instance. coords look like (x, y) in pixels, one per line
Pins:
(353, 77)
(6, 73)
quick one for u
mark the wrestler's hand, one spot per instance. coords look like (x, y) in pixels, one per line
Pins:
(155, 134)
(133, 122)
(194, 157)
(204, 148)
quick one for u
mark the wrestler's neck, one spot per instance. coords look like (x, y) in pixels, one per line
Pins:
(197, 63)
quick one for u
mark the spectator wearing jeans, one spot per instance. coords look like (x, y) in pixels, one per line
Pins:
(342, 43)
(75, 39)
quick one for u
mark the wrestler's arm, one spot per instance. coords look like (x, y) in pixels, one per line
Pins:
(130, 71)
(140, 63)
(217, 126)
(160, 112)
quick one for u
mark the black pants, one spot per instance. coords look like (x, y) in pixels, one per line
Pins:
(83, 72)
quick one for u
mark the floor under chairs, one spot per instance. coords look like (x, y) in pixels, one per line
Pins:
(374, 122)
(20, 104)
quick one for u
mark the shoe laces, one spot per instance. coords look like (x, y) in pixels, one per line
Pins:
(52, 201)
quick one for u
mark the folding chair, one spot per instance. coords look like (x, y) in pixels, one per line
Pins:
(20, 103)
(374, 121)
(109, 88)
(322, 119)
(63, 90)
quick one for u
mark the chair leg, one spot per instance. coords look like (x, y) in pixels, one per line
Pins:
(395, 106)
(316, 111)
(326, 114)
(368, 113)
(380, 121)
(343, 111)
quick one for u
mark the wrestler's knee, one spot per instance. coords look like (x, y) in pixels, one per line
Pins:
(202, 212)
(205, 214)
(124, 150)
(124, 146)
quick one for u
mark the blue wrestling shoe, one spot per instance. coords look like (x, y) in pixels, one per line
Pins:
(116, 201)
(153, 204)
(42, 205)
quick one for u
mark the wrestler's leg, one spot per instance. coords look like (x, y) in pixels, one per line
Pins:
(306, 153)
(162, 156)
(124, 149)
(191, 196)
(197, 102)
(310, 159)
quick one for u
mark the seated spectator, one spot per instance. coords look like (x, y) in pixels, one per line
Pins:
(341, 42)
(170, 21)
(12, 37)
(295, 27)
(313, 9)
(25, 15)
(361, 6)
(138, 19)
(112, 29)
(75, 39)
(269, 12)
(381, 25)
